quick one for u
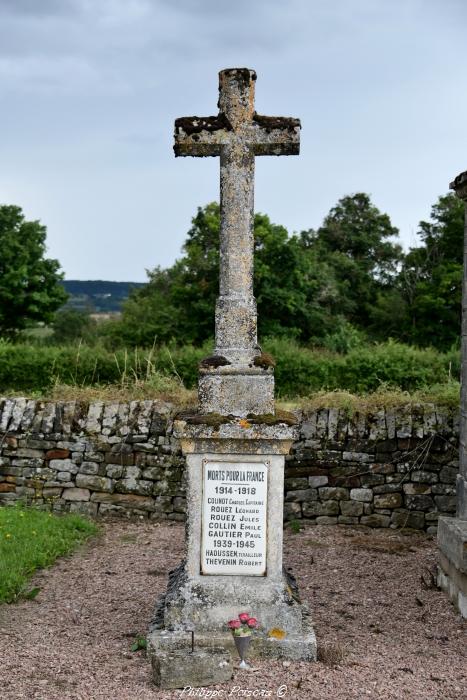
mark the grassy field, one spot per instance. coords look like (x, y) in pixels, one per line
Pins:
(31, 539)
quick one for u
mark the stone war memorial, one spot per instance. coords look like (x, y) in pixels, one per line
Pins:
(452, 532)
(235, 445)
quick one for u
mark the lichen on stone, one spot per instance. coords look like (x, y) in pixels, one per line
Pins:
(271, 123)
(195, 125)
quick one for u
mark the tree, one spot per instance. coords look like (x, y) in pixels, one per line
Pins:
(297, 295)
(73, 324)
(30, 288)
(431, 277)
(355, 240)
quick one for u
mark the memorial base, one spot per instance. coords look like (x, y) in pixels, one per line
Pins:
(183, 667)
(234, 538)
(452, 570)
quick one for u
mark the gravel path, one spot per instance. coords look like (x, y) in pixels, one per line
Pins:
(392, 635)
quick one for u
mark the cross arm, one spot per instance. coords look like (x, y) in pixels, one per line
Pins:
(201, 136)
(275, 136)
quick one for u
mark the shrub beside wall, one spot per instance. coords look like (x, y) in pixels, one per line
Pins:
(395, 468)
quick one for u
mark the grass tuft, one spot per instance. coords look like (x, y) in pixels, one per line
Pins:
(446, 395)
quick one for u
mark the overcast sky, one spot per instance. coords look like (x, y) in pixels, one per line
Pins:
(90, 88)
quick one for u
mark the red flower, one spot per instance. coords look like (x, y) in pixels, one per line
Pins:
(252, 622)
(243, 617)
(234, 624)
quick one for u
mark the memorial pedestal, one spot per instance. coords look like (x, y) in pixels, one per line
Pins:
(452, 570)
(234, 545)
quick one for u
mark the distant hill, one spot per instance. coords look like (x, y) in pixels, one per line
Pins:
(98, 296)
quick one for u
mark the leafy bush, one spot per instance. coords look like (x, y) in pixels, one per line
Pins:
(299, 370)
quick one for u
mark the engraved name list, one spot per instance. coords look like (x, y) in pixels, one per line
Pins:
(234, 518)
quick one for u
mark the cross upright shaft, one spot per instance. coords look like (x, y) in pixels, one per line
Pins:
(237, 134)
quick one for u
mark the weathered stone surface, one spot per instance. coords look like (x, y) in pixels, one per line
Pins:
(447, 504)
(139, 486)
(424, 477)
(316, 481)
(52, 492)
(84, 508)
(127, 499)
(315, 508)
(114, 471)
(326, 520)
(407, 519)
(334, 493)
(295, 484)
(448, 475)
(416, 489)
(63, 465)
(292, 511)
(361, 457)
(375, 520)
(55, 453)
(388, 500)
(182, 669)
(76, 494)
(364, 495)
(92, 468)
(95, 483)
(302, 495)
(351, 508)
(422, 502)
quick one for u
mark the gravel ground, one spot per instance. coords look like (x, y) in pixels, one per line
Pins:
(391, 634)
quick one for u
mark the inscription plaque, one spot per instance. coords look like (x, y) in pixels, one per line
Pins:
(233, 540)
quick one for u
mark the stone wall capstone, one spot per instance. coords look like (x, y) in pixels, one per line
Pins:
(394, 468)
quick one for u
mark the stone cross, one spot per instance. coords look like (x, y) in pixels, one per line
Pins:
(237, 134)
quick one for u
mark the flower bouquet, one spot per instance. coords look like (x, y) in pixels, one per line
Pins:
(242, 629)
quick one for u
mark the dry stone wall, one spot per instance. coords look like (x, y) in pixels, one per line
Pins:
(395, 468)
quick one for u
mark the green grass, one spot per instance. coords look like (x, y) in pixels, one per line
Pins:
(31, 539)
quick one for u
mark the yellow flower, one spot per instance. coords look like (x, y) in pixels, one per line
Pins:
(34, 532)
(21, 515)
(7, 534)
(50, 515)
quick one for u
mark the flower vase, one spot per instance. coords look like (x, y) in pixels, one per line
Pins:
(242, 643)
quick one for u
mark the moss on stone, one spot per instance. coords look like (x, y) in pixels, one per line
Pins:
(214, 420)
(274, 418)
(214, 361)
(265, 360)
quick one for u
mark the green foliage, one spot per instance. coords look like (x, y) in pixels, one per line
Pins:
(139, 643)
(26, 367)
(296, 293)
(431, 277)
(295, 526)
(71, 324)
(31, 539)
(30, 288)
(299, 370)
(302, 371)
(355, 241)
